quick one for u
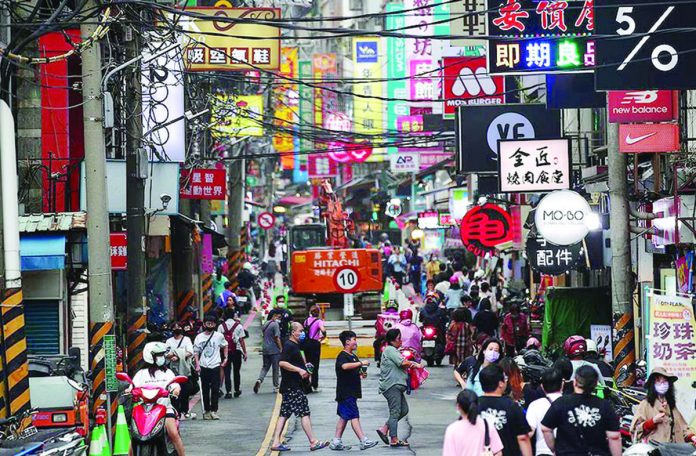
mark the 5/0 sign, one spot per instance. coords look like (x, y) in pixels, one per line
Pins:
(346, 279)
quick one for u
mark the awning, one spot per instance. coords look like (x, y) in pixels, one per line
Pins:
(295, 201)
(42, 252)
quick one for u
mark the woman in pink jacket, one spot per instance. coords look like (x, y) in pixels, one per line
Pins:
(410, 332)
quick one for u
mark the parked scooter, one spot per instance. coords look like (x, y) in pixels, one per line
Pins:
(148, 434)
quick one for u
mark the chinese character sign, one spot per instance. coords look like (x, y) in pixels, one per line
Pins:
(396, 69)
(367, 108)
(551, 259)
(213, 39)
(672, 344)
(321, 165)
(574, 54)
(544, 18)
(240, 115)
(119, 251)
(209, 184)
(534, 165)
(485, 227)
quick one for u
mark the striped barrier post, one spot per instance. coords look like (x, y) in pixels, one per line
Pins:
(97, 331)
(185, 302)
(136, 341)
(207, 293)
(235, 260)
(624, 349)
(15, 366)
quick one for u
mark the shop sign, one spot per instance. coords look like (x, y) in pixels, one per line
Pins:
(484, 227)
(561, 217)
(348, 152)
(214, 45)
(601, 334)
(368, 110)
(551, 259)
(534, 165)
(119, 251)
(642, 106)
(479, 128)
(321, 165)
(467, 82)
(684, 266)
(544, 18)
(404, 162)
(541, 55)
(236, 115)
(637, 138)
(429, 220)
(672, 345)
(446, 220)
(203, 184)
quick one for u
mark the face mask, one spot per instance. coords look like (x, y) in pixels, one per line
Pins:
(210, 328)
(177, 332)
(491, 356)
(661, 388)
(159, 361)
(302, 336)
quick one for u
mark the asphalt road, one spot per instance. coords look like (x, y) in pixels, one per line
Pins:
(244, 425)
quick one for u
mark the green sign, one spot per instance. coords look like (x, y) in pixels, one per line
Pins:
(306, 104)
(396, 69)
(110, 362)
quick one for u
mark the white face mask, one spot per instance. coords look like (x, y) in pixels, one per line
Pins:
(491, 356)
(662, 388)
(159, 361)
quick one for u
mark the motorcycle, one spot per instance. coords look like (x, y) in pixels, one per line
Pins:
(149, 437)
(47, 442)
(433, 345)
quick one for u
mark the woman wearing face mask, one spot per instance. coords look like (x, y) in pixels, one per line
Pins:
(180, 356)
(657, 417)
(489, 354)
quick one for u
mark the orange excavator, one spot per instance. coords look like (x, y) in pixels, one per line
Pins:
(324, 267)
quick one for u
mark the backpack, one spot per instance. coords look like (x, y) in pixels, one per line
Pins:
(229, 336)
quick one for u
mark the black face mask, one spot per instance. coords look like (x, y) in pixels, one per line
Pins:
(209, 328)
(177, 332)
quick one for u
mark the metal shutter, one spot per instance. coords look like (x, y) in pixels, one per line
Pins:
(42, 327)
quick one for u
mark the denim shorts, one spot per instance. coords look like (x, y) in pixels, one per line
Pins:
(347, 409)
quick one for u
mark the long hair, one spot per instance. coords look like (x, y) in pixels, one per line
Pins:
(514, 376)
(481, 356)
(467, 401)
(652, 394)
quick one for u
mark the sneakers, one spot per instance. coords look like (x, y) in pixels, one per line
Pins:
(237, 393)
(190, 416)
(338, 446)
(228, 396)
(214, 416)
(207, 416)
(367, 443)
(257, 385)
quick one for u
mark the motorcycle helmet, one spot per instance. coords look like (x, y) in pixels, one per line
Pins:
(454, 279)
(534, 343)
(575, 346)
(153, 350)
(406, 315)
(247, 266)
(590, 346)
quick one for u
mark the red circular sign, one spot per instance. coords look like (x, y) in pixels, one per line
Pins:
(346, 279)
(266, 220)
(484, 227)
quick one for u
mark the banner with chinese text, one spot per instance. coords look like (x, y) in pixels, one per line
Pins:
(240, 115)
(285, 101)
(209, 184)
(306, 114)
(397, 86)
(672, 345)
(368, 113)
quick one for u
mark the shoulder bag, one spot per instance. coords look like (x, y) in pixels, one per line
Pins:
(486, 441)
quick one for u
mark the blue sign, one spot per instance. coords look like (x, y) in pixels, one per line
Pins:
(366, 51)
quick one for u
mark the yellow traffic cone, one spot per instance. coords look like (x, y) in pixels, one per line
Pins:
(122, 440)
(96, 445)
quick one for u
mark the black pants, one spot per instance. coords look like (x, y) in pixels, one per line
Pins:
(399, 277)
(210, 382)
(234, 366)
(181, 404)
(312, 351)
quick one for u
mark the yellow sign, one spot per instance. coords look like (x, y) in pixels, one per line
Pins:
(288, 62)
(240, 115)
(220, 43)
(368, 112)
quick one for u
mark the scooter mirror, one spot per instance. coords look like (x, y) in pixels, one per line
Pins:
(179, 379)
(75, 385)
(123, 377)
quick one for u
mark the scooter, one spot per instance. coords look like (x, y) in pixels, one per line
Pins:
(433, 345)
(149, 437)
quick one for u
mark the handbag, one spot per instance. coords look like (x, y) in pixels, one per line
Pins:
(486, 441)
(416, 377)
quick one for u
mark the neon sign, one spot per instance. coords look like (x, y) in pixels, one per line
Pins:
(571, 54)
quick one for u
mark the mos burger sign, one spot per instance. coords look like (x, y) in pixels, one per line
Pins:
(563, 217)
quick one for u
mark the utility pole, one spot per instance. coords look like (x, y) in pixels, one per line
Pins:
(101, 308)
(207, 298)
(136, 171)
(235, 254)
(182, 266)
(621, 272)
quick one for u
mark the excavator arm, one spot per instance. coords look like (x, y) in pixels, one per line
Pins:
(340, 228)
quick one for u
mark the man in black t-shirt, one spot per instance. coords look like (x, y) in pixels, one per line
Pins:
(286, 317)
(349, 371)
(584, 424)
(504, 413)
(294, 373)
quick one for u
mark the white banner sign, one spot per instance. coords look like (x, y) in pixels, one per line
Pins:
(533, 165)
(404, 162)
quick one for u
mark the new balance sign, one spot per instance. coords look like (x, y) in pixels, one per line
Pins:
(404, 162)
(467, 82)
(642, 106)
(638, 138)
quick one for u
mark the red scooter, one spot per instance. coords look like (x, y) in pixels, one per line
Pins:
(149, 437)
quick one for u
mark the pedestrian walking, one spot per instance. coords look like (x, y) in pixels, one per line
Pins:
(393, 376)
(315, 334)
(460, 337)
(294, 401)
(207, 348)
(583, 423)
(551, 385)
(286, 317)
(349, 373)
(234, 334)
(486, 321)
(272, 347)
(489, 354)
(397, 261)
(471, 435)
(432, 267)
(514, 330)
(180, 356)
(503, 413)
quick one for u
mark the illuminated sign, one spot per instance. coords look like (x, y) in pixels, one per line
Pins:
(573, 54)
(546, 18)
(484, 227)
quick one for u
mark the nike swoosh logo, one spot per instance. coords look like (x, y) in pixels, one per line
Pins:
(630, 140)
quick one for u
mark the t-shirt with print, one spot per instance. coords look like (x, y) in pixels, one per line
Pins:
(535, 413)
(209, 352)
(271, 330)
(348, 382)
(581, 424)
(507, 418)
(160, 378)
(291, 380)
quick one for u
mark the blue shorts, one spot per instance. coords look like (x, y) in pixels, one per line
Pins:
(348, 409)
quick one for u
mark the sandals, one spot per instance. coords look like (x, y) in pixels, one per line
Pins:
(282, 447)
(318, 445)
(399, 444)
(383, 437)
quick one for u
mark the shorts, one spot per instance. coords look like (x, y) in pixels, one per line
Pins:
(294, 403)
(347, 409)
